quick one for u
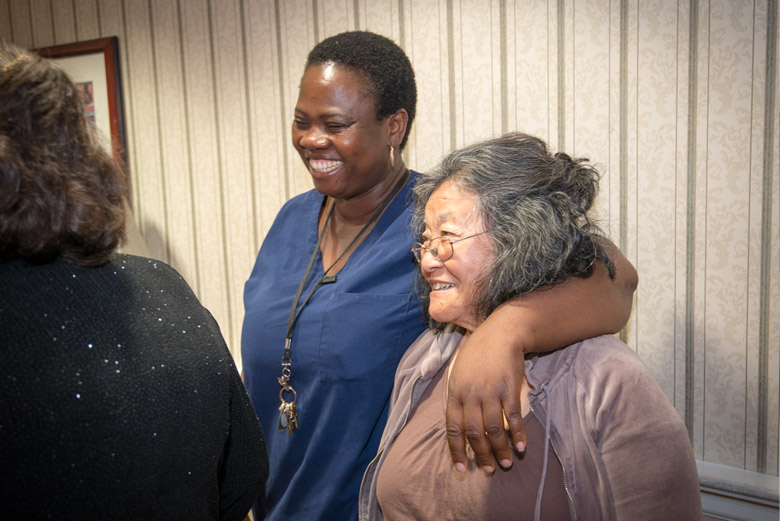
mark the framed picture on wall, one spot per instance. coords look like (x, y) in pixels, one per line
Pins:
(94, 67)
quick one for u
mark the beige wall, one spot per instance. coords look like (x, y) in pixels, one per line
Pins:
(678, 109)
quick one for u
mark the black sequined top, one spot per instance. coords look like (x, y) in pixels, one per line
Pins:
(119, 398)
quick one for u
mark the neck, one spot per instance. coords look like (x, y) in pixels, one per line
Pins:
(349, 218)
(358, 210)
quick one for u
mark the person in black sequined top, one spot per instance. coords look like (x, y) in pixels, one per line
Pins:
(118, 396)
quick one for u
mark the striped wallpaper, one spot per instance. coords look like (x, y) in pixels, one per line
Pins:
(675, 99)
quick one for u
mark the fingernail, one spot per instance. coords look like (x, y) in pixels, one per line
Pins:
(487, 470)
(506, 462)
(520, 446)
(460, 467)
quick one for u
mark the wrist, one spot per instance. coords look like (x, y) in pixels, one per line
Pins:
(517, 323)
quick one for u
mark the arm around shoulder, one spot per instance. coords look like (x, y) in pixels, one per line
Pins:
(556, 316)
(484, 386)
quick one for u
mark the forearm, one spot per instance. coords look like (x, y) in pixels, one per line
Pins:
(556, 316)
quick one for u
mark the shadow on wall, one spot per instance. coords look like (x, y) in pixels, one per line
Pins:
(135, 243)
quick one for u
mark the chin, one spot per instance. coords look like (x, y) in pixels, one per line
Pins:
(325, 186)
(444, 318)
(467, 322)
(436, 316)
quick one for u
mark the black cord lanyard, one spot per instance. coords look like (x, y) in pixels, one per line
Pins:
(288, 411)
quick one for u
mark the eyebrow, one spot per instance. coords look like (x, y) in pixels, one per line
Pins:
(444, 217)
(447, 216)
(326, 115)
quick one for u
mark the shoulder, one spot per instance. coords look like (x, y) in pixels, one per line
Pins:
(151, 284)
(138, 263)
(146, 280)
(422, 360)
(590, 359)
(295, 212)
(144, 268)
(414, 176)
(604, 355)
(120, 272)
(603, 367)
(416, 351)
(303, 201)
(430, 351)
(406, 195)
(613, 378)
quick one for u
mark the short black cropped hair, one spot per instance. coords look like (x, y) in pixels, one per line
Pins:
(384, 65)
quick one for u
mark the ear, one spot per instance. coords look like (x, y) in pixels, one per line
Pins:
(396, 127)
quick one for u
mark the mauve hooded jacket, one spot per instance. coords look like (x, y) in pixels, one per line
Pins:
(625, 451)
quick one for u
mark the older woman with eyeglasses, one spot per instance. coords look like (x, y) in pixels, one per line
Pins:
(498, 220)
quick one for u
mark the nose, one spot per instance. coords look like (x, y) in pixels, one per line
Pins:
(428, 261)
(313, 138)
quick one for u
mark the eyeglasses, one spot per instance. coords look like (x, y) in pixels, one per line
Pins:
(440, 247)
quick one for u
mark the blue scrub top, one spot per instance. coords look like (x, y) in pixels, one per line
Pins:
(346, 345)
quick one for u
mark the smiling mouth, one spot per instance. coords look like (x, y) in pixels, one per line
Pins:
(437, 286)
(324, 166)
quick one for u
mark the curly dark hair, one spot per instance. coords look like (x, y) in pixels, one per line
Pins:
(534, 206)
(61, 192)
(381, 61)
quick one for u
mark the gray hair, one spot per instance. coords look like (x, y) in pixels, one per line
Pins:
(534, 206)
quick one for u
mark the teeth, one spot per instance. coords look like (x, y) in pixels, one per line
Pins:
(323, 165)
(441, 285)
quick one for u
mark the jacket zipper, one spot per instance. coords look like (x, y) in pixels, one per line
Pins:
(572, 507)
